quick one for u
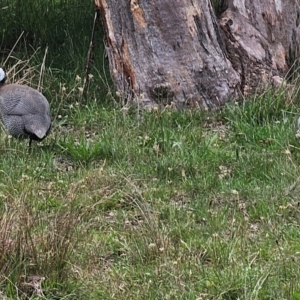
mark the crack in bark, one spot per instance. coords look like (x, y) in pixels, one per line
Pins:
(234, 53)
(218, 34)
(201, 34)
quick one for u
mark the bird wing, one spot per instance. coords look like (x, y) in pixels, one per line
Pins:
(33, 129)
(37, 125)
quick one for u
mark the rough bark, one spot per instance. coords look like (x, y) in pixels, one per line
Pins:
(262, 39)
(163, 51)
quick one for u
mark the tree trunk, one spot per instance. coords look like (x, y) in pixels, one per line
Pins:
(262, 39)
(163, 51)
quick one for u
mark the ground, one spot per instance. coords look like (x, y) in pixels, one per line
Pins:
(124, 204)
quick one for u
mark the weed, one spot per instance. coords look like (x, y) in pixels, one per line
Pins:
(120, 204)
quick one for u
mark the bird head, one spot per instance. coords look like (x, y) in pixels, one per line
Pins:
(2, 76)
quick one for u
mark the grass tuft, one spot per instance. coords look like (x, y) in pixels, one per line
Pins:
(125, 204)
(154, 205)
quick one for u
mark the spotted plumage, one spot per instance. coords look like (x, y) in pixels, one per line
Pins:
(25, 112)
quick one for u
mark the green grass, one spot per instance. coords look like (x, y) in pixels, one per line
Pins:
(63, 26)
(125, 204)
(54, 34)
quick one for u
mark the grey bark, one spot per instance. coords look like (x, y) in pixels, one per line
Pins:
(163, 51)
(262, 39)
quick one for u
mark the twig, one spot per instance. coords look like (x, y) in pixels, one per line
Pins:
(89, 57)
(42, 70)
(13, 48)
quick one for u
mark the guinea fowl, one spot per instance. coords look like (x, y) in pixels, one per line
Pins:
(25, 112)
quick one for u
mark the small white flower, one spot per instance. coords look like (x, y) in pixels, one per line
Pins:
(234, 192)
(298, 131)
(152, 246)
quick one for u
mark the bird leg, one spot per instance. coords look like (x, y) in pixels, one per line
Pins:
(29, 146)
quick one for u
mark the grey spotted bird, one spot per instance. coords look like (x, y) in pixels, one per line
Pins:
(25, 112)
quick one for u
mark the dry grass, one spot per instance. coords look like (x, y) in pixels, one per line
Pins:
(163, 205)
